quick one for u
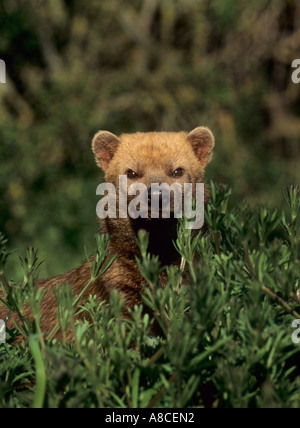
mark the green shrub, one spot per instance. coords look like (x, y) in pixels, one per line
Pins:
(227, 325)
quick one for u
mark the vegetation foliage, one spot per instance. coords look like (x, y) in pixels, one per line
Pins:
(227, 324)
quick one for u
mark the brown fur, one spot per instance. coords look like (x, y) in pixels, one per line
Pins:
(154, 157)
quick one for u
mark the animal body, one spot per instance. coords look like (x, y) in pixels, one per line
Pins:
(157, 157)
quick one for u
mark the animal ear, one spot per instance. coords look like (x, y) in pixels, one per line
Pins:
(203, 142)
(104, 146)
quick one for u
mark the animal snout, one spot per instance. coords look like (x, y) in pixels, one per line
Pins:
(156, 194)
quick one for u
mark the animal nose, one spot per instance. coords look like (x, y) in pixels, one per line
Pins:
(154, 194)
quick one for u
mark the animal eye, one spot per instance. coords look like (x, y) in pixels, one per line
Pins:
(178, 173)
(131, 174)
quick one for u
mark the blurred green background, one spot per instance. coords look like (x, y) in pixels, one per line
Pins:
(75, 66)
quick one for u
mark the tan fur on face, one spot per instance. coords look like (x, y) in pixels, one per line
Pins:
(154, 157)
